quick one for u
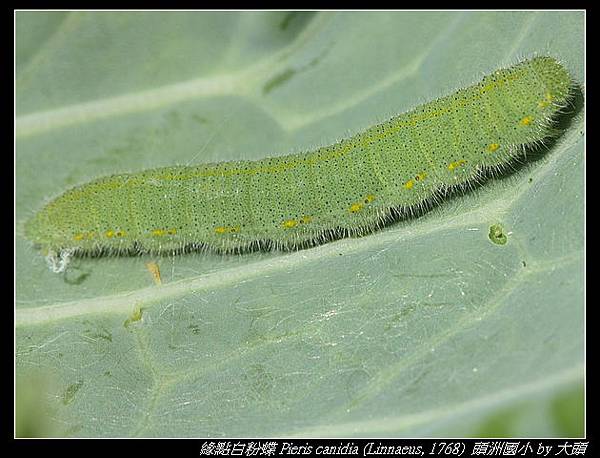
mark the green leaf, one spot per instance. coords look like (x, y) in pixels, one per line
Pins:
(426, 328)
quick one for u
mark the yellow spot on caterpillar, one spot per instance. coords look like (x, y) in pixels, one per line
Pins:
(356, 207)
(421, 176)
(456, 164)
(120, 234)
(547, 99)
(84, 236)
(493, 147)
(223, 229)
(288, 224)
(110, 234)
(161, 232)
(497, 83)
(526, 120)
(306, 219)
(409, 184)
(155, 271)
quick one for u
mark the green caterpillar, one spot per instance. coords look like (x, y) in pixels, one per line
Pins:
(349, 188)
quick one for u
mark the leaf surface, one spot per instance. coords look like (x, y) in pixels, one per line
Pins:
(426, 328)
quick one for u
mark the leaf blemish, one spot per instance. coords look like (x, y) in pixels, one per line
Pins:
(154, 270)
(99, 332)
(135, 316)
(71, 391)
(194, 328)
(497, 234)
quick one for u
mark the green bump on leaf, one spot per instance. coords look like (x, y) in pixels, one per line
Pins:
(135, 316)
(497, 235)
(71, 391)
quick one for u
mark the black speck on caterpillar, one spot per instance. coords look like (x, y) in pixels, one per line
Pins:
(350, 188)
